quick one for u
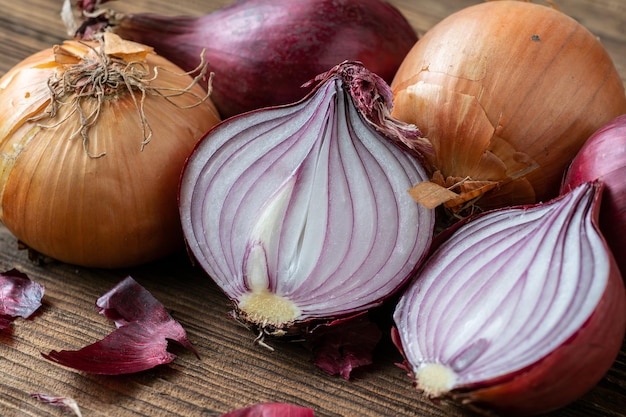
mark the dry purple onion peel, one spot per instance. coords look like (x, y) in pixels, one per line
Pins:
(140, 341)
(271, 410)
(19, 296)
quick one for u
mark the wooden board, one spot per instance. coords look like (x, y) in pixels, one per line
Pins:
(231, 372)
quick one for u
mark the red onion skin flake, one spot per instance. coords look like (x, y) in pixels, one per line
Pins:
(342, 345)
(271, 410)
(140, 340)
(19, 296)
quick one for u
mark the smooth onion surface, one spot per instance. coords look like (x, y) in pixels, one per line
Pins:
(112, 211)
(522, 310)
(603, 157)
(301, 212)
(262, 51)
(507, 92)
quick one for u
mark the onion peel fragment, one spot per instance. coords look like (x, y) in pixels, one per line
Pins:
(65, 403)
(342, 345)
(19, 296)
(271, 410)
(140, 341)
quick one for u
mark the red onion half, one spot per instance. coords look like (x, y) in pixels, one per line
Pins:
(301, 212)
(262, 51)
(521, 311)
(603, 157)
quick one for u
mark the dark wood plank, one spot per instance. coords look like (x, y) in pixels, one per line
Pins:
(231, 371)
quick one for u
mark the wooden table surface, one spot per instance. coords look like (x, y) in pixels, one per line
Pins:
(231, 372)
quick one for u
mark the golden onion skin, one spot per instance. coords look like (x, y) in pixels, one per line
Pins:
(113, 211)
(507, 92)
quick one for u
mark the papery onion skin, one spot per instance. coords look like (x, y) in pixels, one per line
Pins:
(65, 403)
(271, 410)
(114, 211)
(302, 209)
(262, 51)
(603, 157)
(19, 296)
(554, 380)
(507, 92)
(144, 330)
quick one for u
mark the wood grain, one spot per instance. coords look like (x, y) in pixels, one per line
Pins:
(231, 371)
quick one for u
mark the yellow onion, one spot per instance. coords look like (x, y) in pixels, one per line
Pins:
(507, 92)
(93, 138)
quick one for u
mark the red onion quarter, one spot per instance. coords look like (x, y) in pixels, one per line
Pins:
(603, 157)
(522, 310)
(301, 212)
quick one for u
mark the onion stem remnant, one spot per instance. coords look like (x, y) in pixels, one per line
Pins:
(115, 68)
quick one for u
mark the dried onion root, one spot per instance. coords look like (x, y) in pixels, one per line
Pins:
(112, 68)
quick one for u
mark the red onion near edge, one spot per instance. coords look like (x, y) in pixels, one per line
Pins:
(603, 157)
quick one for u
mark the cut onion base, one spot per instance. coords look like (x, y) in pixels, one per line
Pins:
(267, 309)
(521, 311)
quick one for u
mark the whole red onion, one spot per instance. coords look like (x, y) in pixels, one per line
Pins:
(603, 157)
(262, 51)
